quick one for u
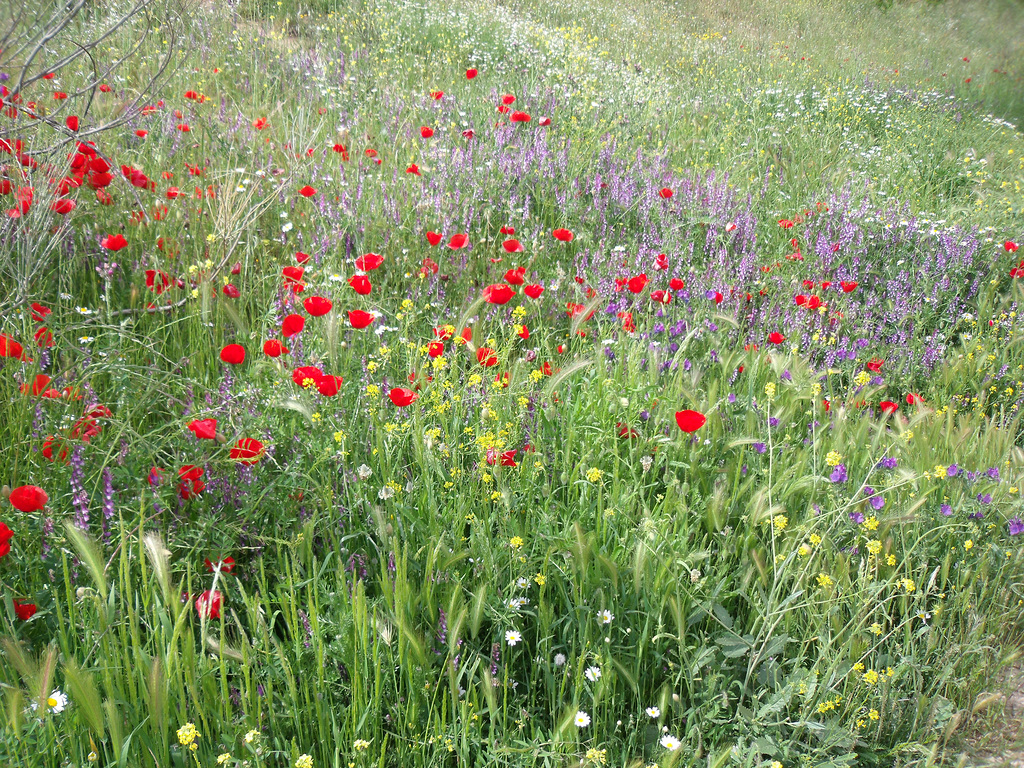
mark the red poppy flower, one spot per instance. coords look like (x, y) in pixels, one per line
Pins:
(360, 284)
(544, 122)
(499, 293)
(874, 364)
(468, 133)
(227, 565)
(665, 193)
(470, 74)
(626, 432)
(515, 276)
(233, 354)
(435, 349)
(512, 246)
(190, 472)
(1010, 246)
(247, 450)
(813, 302)
(10, 348)
(914, 398)
(114, 242)
(317, 306)
(676, 284)
(413, 169)
(627, 321)
(888, 406)
(486, 357)
(637, 284)
(434, 237)
(662, 297)
(43, 337)
(458, 241)
(785, 223)
(776, 337)
(208, 604)
(533, 291)
(847, 286)
(402, 397)
(28, 498)
(5, 539)
(520, 117)
(329, 386)
(292, 275)
(40, 312)
(292, 325)
(63, 207)
(563, 235)
(274, 348)
(24, 611)
(426, 132)
(48, 445)
(307, 372)
(307, 191)
(429, 267)
(359, 319)
(204, 429)
(661, 262)
(690, 421)
(369, 262)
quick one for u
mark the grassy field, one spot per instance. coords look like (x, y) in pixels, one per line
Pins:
(513, 383)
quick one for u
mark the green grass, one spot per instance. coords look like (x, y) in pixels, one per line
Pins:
(769, 610)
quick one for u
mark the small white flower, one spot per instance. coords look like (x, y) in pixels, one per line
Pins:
(582, 719)
(336, 278)
(364, 472)
(513, 636)
(559, 659)
(522, 582)
(670, 742)
(386, 493)
(287, 227)
(85, 339)
(593, 674)
(606, 617)
(57, 701)
(653, 712)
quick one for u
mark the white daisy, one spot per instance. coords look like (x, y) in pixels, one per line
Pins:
(653, 712)
(513, 636)
(606, 617)
(582, 719)
(669, 742)
(593, 674)
(57, 701)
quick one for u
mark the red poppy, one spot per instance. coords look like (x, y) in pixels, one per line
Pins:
(227, 565)
(114, 242)
(292, 275)
(208, 604)
(523, 333)
(63, 207)
(233, 354)
(690, 421)
(247, 450)
(28, 498)
(888, 406)
(468, 133)
(43, 337)
(813, 302)
(661, 262)
(533, 291)
(25, 611)
(402, 397)
(1010, 246)
(515, 276)
(6, 534)
(914, 398)
(637, 284)
(40, 312)
(369, 262)
(544, 121)
(360, 319)
(662, 297)
(274, 348)
(486, 357)
(435, 349)
(329, 386)
(307, 373)
(676, 284)
(413, 169)
(48, 445)
(847, 285)
(627, 321)
(204, 429)
(563, 235)
(292, 325)
(665, 193)
(360, 284)
(434, 237)
(317, 306)
(429, 267)
(512, 246)
(458, 241)
(520, 117)
(499, 293)
(470, 74)
(426, 132)
(785, 223)
(776, 337)
(307, 191)
(626, 431)
(874, 364)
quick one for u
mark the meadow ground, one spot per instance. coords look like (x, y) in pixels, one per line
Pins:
(475, 383)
